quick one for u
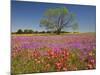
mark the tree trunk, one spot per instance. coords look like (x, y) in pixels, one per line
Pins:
(58, 31)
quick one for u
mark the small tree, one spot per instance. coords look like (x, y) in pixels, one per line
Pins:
(25, 31)
(19, 31)
(31, 31)
(43, 32)
(28, 31)
(56, 19)
(36, 32)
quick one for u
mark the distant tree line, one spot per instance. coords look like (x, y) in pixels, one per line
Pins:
(29, 31)
(26, 31)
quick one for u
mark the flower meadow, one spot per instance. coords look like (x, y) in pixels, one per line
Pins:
(52, 53)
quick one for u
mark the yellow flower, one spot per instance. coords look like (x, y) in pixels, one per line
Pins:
(90, 54)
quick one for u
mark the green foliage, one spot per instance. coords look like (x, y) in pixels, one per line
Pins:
(56, 11)
(55, 19)
(19, 31)
(28, 31)
(74, 60)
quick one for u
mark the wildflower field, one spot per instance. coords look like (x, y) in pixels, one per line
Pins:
(49, 53)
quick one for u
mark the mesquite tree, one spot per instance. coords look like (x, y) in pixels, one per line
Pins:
(55, 19)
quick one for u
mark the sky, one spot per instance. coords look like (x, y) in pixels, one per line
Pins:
(27, 15)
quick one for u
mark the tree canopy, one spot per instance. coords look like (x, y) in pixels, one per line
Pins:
(55, 19)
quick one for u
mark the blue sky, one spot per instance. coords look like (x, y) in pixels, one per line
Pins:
(27, 15)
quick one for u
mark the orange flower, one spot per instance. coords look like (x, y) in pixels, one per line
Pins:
(65, 69)
(48, 65)
(38, 62)
(51, 53)
(58, 65)
(61, 60)
(90, 66)
(48, 57)
(90, 54)
(35, 59)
